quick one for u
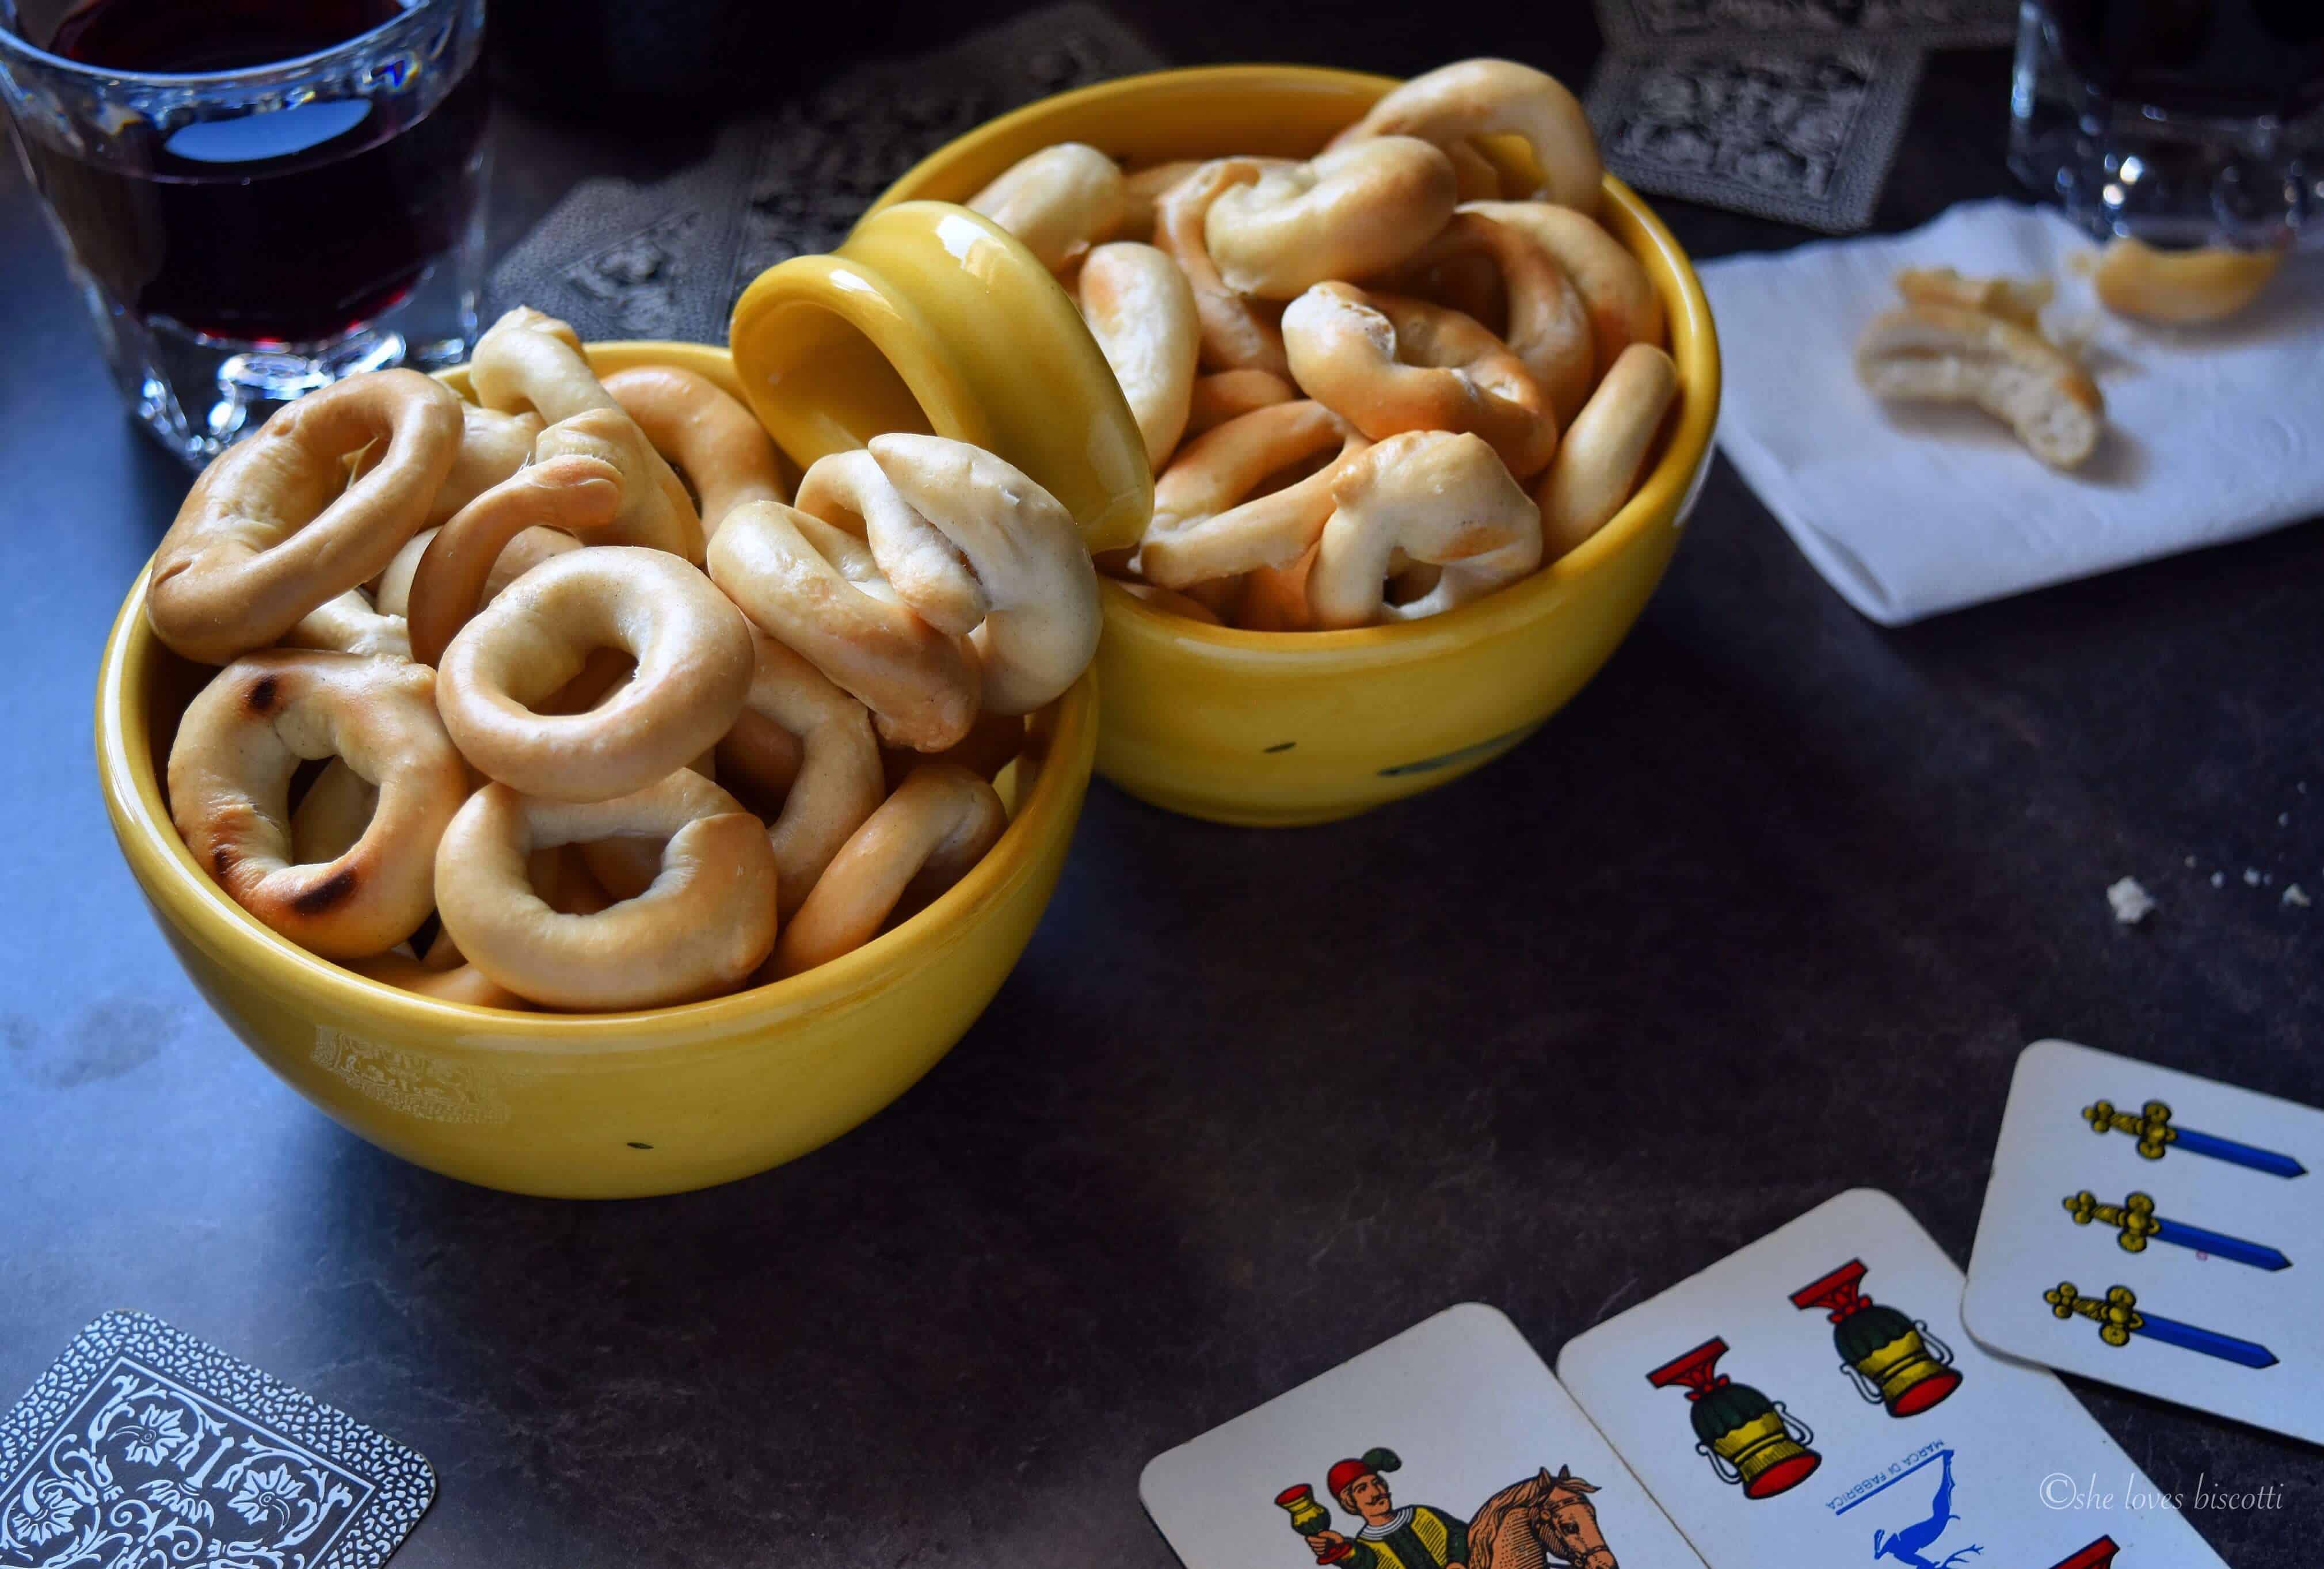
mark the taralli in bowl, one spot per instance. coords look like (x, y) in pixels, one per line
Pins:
(422, 949)
(1542, 310)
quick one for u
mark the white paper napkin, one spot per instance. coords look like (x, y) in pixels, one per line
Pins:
(1909, 510)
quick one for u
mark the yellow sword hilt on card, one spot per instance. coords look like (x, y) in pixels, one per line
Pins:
(2133, 1217)
(2150, 1125)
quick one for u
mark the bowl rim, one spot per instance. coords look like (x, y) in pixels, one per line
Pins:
(1693, 346)
(191, 906)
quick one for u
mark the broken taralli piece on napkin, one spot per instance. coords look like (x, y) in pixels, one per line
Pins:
(1969, 340)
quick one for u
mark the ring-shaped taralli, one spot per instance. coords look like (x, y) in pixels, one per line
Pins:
(1026, 553)
(1217, 473)
(1264, 532)
(654, 508)
(272, 529)
(1616, 292)
(705, 923)
(331, 816)
(1349, 213)
(1141, 308)
(528, 360)
(719, 446)
(1142, 191)
(839, 782)
(1548, 325)
(351, 625)
(1443, 499)
(242, 738)
(1948, 354)
(1389, 364)
(693, 663)
(452, 984)
(1275, 598)
(923, 839)
(1059, 201)
(1597, 465)
(492, 445)
(816, 590)
(392, 590)
(1483, 97)
(1225, 395)
(572, 495)
(926, 571)
(1236, 334)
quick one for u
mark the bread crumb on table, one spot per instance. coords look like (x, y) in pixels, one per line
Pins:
(2131, 901)
(2295, 896)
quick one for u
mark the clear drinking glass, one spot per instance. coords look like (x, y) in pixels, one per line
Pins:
(255, 197)
(2180, 122)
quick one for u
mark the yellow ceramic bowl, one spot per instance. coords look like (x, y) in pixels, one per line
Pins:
(591, 1105)
(1301, 727)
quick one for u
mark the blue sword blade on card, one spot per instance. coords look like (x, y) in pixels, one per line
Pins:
(2119, 1317)
(2135, 1220)
(2152, 1126)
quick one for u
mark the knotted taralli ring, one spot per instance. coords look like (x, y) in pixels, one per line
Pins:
(1948, 355)
(694, 665)
(392, 590)
(530, 360)
(921, 841)
(1140, 310)
(847, 491)
(1215, 473)
(1275, 598)
(243, 737)
(818, 589)
(702, 927)
(1350, 213)
(1225, 395)
(1059, 201)
(350, 624)
(838, 782)
(1026, 552)
(272, 530)
(1236, 335)
(1483, 97)
(492, 445)
(1548, 325)
(1143, 191)
(1441, 499)
(1620, 299)
(1389, 364)
(1598, 461)
(572, 495)
(717, 444)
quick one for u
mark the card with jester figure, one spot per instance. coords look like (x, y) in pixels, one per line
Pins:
(144, 1447)
(1448, 1448)
(1812, 1400)
(2157, 1230)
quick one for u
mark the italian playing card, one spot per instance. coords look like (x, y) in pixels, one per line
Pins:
(1813, 1401)
(2157, 1230)
(1450, 1445)
(143, 1448)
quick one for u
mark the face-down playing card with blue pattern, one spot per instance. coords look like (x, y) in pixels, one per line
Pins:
(144, 1447)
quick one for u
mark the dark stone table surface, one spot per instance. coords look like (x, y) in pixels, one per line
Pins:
(1766, 913)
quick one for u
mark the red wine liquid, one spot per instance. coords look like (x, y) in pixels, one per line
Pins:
(2227, 58)
(283, 227)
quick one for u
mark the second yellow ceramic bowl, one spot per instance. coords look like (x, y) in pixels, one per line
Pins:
(591, 1105)
(1300, 727)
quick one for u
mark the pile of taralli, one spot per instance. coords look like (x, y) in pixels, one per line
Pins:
(1374, 386)
(600, 737)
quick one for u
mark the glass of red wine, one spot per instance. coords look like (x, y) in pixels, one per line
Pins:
(255, 197)
(2181, 122)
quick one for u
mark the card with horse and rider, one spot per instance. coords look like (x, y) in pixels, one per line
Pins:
(1813, 1401)
(1448, 1448)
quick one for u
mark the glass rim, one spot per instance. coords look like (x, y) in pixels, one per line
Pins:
(13, 42)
